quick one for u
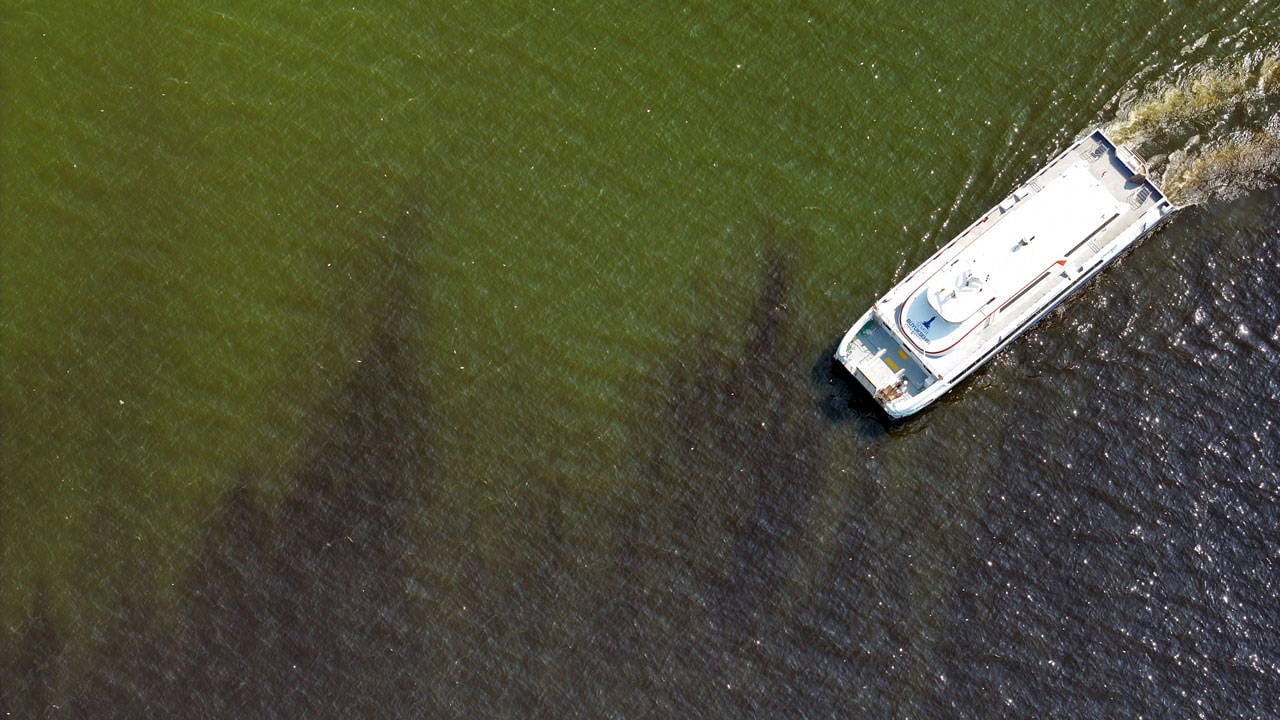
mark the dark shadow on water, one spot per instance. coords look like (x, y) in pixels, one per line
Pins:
(29, 669)
(846, 402)
(375, 589)
(305, 611)
(694, 606)
(301, 607)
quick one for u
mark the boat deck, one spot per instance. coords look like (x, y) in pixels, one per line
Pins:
(883, 349)
(1003, 273)
(1048, 234)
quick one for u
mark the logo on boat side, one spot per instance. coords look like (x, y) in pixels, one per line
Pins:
(921, 328)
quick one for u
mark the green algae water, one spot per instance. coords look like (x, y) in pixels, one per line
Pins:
(467, 360)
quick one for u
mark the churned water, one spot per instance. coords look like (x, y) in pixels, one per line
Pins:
(472, 360)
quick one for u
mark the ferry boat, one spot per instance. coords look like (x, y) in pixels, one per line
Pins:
(1004, 273)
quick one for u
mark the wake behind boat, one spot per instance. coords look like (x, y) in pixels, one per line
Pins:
(1002, 274)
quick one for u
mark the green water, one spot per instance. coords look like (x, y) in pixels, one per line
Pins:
(209, 209)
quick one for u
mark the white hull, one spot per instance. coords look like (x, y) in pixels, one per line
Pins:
(1002, 274)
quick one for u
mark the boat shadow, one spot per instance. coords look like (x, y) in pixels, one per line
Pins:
(844, 402)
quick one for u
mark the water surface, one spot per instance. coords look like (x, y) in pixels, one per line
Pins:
(471, 361)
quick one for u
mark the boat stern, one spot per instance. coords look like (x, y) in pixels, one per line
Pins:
(881, 365)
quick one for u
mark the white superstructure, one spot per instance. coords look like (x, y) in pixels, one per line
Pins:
(1002, 274)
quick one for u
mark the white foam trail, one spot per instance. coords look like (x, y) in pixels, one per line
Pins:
(1203, 92)
(1225, 169)
(1221, 99)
